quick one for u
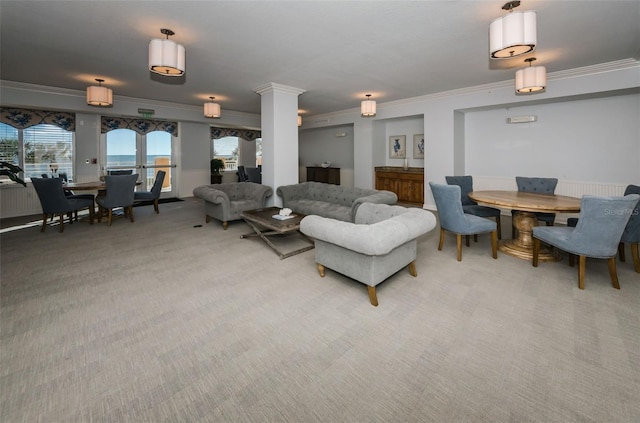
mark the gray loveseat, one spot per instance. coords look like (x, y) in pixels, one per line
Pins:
(380, 242)
(225, 202)
(328, 200)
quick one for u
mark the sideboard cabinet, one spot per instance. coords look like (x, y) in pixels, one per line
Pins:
(407, 184)
(328, 175)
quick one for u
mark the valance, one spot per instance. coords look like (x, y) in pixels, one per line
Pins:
(141, 126)
(246, 134)
(25, 118)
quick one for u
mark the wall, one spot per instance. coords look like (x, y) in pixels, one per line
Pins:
(334, 145)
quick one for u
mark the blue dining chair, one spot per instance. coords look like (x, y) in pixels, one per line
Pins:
(453, 218)
(597, 233)
(55, 202)
(546, 186)
(120, 193)
(154, 194)
(468, 205)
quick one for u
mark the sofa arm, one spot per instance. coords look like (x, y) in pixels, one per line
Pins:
(372, 240)
(210, 194)
(380, 197)
(257, 192)
(291, 192)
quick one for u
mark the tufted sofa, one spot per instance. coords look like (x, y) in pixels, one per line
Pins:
(225, 202)
(380, 242)
(328, 200)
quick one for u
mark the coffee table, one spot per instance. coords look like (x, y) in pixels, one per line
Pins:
(264, 225)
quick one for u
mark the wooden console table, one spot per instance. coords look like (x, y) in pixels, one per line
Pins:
(328, 175)
(408, 184)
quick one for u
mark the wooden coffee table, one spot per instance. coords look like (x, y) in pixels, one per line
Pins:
(264, 224)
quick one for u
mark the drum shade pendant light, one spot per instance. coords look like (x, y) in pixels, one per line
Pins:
(211, 109)
(99, 96)
(514, 34)
(532, 79)
(368, 107)
(166, 57)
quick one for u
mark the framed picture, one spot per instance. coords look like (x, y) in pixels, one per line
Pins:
(397, 147)
(418, 146)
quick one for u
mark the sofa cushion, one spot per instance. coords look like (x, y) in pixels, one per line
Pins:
(321, 208)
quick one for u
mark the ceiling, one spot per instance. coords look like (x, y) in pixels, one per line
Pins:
(337, 51)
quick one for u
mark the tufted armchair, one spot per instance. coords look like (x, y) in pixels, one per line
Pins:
(381, 241)
(597, 233)
(226, 201)
(545, 186)
(468, 205)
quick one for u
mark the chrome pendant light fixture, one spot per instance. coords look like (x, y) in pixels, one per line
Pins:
(514, 34)
(532, 79)
(166, 57)
(99, 96)
(368, 107)
(211, 109)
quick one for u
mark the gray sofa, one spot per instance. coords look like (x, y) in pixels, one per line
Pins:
(225, 202)
(328, 200)
(380, 242)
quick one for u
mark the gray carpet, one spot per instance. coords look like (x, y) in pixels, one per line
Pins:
(161, 321)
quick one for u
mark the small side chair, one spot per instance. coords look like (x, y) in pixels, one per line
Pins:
(154, 194)
(597, 233)
(468, 205)
(120, 193)
(453, 219)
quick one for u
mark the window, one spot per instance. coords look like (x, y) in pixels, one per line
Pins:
(38, 149)
(258, 152)
(227, 150)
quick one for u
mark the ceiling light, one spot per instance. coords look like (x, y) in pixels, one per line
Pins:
(165, 56)
(513, 34)
(532, 79)
(299, 120)
(368, 107)
(99, 96)
(211, 109)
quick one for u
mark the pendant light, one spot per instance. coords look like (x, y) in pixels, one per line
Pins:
(166, 57)
(514, 34)
(99, 96)
(211, 109)
(532, 79)
(368, 107)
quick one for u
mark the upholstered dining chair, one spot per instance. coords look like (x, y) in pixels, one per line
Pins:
(55, 202)
(120, 193)
(546, 186)
(631, 234)
(597, 234)
(154, 194)
(453, 218)
(468, 205)
(120, 172)
(242, 174)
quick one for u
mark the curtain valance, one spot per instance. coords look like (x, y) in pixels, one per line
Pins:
(141, 126)
(25, 118)
(247, 134)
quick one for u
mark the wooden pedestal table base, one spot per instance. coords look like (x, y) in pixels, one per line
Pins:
(522, 246)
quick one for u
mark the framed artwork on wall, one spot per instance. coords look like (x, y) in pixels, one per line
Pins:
(397, 146)
(418, 146)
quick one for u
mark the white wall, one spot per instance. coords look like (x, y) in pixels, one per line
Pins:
(334, 145)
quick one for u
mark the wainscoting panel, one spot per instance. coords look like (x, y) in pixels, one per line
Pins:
(16, 200)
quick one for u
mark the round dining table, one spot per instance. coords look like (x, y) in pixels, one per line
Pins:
(525, 205)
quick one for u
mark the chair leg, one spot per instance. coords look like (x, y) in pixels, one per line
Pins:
(466, 240)
(459, 243)
(582, 264)
(494, 244)
(636, 257)
(92, 214)
(61, 222)
(499, 224)
(155, 206)
(412, 269)
(475, 237)
(621, 251)
(536, 251)
(321, 270)
(572, 259)
(100, 213)
(225, 224)
(110, 217)
(441, 243)
(44, 222)
(613, 273)
(372, 295)
(130, 208)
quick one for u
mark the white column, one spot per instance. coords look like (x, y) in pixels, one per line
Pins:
(279, 105)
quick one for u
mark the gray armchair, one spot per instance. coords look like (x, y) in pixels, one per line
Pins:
(154, 194)
(546, 186)
(55, 202)
(471, 207)
(453, 219)
(226, 201)
(380, 242)
(120, 193)
(597, 234)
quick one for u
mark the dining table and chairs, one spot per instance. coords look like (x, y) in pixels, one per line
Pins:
(54, 201)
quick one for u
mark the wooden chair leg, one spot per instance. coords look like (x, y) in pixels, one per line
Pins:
(130, 208)
(372, 295)
(225, 225)
(621, 251)
(499, 224)
(536, 251)
(636, 257)
(44, 222)
(92, 214)
(320, 270)
(582, 264)
(61, 222)
(494, 244)
(155, 206)
(466, 240)
(459, 243)
(441, 243)
(613, 273)
(100, 213)
(110, 217)
(412, 269)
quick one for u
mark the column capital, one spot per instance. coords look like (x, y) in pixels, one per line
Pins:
(274, 87)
